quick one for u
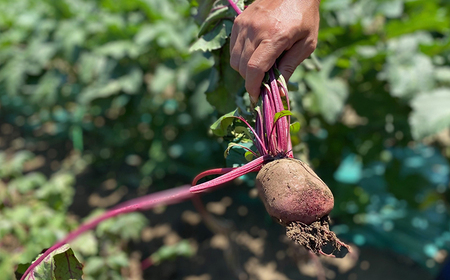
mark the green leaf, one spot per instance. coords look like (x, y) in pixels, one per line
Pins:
(408, 71)
(213, 40)
(212, 19)
(427, 16)
(86, 244)
(60, 264)
(220, 127)
(163, 77)
(225, 84)
(127, 226)
(230, 146)
(67, 266)
(132, 82)
(77, 138)
(209, 11)
(431, 113)
(168, 252)
(46, 92)
(391, 9)
(294, 127)
(236, 155)
(411, 76)
(249, 156)
(330, 93)
(442, 74)
(281, 114)
(21, 268)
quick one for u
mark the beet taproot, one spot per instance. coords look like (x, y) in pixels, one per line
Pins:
(291, 191)
(298, 199)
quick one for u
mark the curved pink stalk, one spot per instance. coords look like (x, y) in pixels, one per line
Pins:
(166, 197)
(247, 149)
(252, 166)
(235, 7)
(217, 171)
(260, 131)
(258, 139)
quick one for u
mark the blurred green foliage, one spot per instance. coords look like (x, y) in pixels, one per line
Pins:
(116, 79)
(375, 121)
(120, 85)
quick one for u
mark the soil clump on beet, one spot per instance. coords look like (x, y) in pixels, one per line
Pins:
(315, 237)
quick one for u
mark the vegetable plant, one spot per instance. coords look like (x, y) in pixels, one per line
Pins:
(290, 190)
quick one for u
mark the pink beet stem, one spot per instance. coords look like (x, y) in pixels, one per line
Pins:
(260, 131)
(235, 7)
(166, 197)
(281, 126)
(217, 171)
(252, 166)
(258, 139)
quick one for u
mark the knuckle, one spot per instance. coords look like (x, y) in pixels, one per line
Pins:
(255, 66)
(280, 36)
(311, 46)
(238, 20)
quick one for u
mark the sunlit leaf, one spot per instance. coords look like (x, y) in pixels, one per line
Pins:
(428, 16)
(249, 156)
(330, 93)
(281, 114)
(408, 71)
(220, 127)
(442, 74)
(294, 127)
(431, 113)
(230, 146)
(215, 39)
(170, 252)
(217, 14)
(67, 266)
(60, 264)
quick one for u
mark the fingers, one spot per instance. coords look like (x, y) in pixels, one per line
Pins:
(295, 55)
(252, 56)
(263, 32)
(236, 45)
(259, 63)
(253, 63)
(246, 54)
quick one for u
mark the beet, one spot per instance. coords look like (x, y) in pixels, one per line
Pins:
(297, 198)
(291, 191)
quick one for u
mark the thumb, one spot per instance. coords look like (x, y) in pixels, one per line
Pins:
(293, 57)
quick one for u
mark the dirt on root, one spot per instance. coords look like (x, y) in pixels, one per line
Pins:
(316, 237)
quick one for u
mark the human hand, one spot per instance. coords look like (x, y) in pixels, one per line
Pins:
(266, 29)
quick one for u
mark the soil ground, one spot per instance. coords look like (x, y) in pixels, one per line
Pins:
(255, 248)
